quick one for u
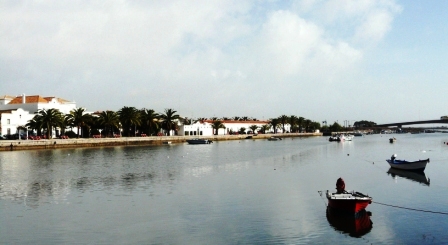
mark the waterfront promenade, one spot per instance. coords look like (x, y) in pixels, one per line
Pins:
(16, 145)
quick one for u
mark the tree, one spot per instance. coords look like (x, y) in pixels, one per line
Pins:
(293, 123)
(216, 125)
(242, 130)
(109, 120)
(150, 120)
(300, 122)
(335, 127)
(169, 119)
(283, 119)
(129, 116)
(275, 122)
(78, 118)
(35, 124)
(265, 128)
(49, 118)
(253, 128)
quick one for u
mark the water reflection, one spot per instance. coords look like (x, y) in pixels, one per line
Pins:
(419, 177)
(355, 225)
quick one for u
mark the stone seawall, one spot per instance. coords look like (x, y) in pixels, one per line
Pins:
(15, 145)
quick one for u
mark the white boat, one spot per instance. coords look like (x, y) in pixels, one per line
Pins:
(419, 165)
(199, 141)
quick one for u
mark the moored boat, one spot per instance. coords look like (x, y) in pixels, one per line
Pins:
(392, 140)
(347, 201)
(419, 165)
(274, 138)
(199, 141)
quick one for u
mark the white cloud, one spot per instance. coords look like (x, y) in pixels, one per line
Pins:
(161, 53)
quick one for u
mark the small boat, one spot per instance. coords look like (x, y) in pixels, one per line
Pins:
(417, 176)
(392, 140)
(166, 142)
(199, 141)
(347, 201)
(353, 225)
(274, 138)
(419, 165)
(341, 137)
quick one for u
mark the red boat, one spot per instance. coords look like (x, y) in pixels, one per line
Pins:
(347, 201)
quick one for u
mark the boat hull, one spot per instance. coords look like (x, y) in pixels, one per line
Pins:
(354, 225)
(349, 202)
(198, 141)
(410, 166)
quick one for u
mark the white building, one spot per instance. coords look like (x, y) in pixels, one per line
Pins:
(34, 103)
(12, 120)
(15, 112)
(205, 127)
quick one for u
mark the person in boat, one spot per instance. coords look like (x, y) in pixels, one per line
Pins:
(393, 157)
(340, 186)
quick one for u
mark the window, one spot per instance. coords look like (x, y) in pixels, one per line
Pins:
(8, 121)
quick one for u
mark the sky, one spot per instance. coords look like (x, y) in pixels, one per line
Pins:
(324, 60)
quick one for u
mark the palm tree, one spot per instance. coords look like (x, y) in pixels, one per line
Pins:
(129, 116)
(79, 118)
(242, 130)
(300, 122)
(49, 118)
(265, 128)
(35, 124)
(307, 124)
(283, 119)
(169, 120)
(150, 120)
(109, 120)
(293, 123)
(275, 122)
(253, 128)
(216, 125)
(64, 123)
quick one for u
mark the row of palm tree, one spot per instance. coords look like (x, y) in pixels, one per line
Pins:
(296, 125)
(126, 120)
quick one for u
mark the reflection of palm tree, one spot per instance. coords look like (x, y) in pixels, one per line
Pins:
(49, 118)
(78, 118)
(150, 120)
(109, 120)
(169, 120)
(216, 125)
(129, 116)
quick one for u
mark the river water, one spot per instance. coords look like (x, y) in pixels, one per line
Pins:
(228, 192)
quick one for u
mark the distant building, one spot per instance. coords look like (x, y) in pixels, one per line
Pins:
(15, 112)
(205, 128)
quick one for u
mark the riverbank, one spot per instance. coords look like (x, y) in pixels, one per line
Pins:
(17, 145)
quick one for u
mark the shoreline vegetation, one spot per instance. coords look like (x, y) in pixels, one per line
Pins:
(18, 145)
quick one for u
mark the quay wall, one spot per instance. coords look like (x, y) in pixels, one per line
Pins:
(16, 145)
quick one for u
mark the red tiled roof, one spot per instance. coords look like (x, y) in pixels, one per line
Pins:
(28, 99)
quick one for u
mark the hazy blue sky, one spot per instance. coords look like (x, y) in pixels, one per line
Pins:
(336, 60)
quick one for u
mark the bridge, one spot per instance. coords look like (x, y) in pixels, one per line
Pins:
(400, 124)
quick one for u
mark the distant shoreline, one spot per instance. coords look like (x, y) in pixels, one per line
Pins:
(20, 145)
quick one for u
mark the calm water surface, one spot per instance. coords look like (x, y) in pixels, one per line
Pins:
(231, 192)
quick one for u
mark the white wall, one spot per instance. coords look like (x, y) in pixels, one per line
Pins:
(13, 120)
